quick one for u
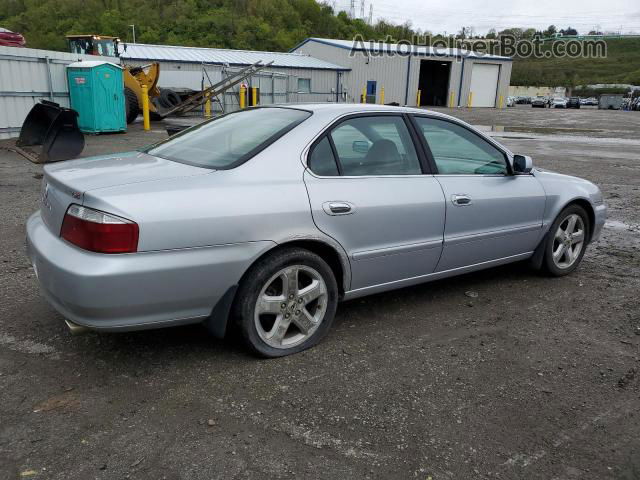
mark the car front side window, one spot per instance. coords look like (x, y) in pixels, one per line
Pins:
(375, 145)
(458, 151)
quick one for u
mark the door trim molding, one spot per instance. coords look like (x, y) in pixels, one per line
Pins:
(361, 292)
(457, 240)
(396, 249)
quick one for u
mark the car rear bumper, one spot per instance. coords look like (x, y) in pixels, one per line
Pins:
(135, 291)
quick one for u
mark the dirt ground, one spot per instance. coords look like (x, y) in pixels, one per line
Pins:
(498, 374)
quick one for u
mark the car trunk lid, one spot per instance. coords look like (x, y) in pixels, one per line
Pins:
(66, 182)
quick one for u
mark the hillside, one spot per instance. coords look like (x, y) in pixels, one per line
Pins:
(622, 65)
(275, 25)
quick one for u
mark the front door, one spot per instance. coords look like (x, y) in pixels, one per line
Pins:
(368, 191)
(490, 213)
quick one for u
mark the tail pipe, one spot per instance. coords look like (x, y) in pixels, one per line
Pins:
(76, 329)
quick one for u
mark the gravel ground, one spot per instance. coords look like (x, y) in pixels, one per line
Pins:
(497, 374)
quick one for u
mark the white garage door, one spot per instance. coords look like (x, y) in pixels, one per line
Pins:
(484, 84)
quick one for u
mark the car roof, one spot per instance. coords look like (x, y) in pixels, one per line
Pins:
(344, 108)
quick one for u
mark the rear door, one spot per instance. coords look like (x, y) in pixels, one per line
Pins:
(368, 190)
(491, 214)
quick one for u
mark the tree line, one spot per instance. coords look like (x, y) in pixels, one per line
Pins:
(276, 25)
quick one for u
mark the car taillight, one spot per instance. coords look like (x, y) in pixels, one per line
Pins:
(99, 231)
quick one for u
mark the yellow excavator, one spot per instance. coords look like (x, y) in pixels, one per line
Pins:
(134, 77)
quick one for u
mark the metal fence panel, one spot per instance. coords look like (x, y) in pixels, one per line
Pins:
(28, 75)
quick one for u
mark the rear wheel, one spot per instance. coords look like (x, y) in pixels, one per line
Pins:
(286, 303)
(132, 108)
(567, 241)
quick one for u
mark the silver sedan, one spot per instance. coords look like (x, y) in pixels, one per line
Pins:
(266, 218)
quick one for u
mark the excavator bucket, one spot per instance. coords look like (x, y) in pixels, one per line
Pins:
(53, 133)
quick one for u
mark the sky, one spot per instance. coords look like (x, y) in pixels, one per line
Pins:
(450, 17)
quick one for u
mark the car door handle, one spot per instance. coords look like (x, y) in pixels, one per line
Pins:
(461, 200)
(337, 208)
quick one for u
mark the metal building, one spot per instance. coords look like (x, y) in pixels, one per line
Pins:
(292, 77)
(444, 77)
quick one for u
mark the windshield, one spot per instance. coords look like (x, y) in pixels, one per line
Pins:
(106, 48)
(231, 139)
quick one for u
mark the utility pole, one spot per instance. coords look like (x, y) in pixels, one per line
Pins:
(352, 9)
(362, 9)
(371, 14)
(133, 27)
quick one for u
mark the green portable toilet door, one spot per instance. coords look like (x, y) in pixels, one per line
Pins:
(109, 99)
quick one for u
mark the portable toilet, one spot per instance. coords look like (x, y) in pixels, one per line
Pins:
(96, 90)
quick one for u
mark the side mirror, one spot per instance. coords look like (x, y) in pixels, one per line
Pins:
(360, 146)
(522, 164)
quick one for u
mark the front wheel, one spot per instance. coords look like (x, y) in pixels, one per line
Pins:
(286, 302)
(567, 241)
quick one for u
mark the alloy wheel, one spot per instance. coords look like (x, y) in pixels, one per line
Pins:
(568, 241)
(291, 306)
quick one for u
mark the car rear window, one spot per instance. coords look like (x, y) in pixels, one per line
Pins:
(229, 140)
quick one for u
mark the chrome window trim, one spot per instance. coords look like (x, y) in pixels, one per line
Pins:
(306, 151)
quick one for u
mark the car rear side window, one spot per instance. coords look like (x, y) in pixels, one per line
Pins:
(322, 161)
(458, 151)
(375, 145)
(231, 139)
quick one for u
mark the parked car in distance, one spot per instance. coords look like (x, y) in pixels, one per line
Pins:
(270, 227)
(559, 102)
(589, 102)
(11, 39)
(539, 102)
(573, 102)
(511, 101)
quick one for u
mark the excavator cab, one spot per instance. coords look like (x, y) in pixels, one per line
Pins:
(94, 45)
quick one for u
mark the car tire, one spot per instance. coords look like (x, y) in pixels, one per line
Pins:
(276, 326)
(561, 255)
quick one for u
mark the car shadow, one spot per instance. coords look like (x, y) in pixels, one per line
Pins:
(193, 341)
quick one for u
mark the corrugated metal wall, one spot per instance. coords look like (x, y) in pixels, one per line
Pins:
(392, 73)
(388, 72)
(28, 75)
(277, 85)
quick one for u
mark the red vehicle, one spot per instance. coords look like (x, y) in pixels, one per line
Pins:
(11, 39)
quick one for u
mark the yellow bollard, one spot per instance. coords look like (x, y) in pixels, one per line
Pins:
(451, 100)
(364, 95)
(500, 101)
(243, 95)
(382, 96)
(418, 99)
(145, 108)
(470, 101)
(254, 96)
(207, 105)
